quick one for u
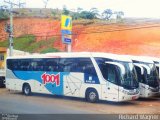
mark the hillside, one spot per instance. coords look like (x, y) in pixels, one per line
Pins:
(131, 36)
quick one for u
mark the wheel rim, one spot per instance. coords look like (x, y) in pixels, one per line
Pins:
(26, 90)
(92, 96)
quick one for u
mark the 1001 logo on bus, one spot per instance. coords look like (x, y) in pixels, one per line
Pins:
(51, 78)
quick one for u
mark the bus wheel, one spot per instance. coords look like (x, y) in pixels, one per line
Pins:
(26, 89)
(92, 95)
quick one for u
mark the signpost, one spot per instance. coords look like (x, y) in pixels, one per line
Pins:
(66, 30)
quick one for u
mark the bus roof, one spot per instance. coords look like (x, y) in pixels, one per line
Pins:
(74, 54)
(144, 59)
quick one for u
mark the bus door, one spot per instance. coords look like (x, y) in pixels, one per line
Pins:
(112, 77)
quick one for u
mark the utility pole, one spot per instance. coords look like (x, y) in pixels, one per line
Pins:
(11, 24)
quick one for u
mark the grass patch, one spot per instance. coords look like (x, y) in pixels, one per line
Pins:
(4, 43)
(23, 42)
(41, 45)
(28, 43)
(49, 50)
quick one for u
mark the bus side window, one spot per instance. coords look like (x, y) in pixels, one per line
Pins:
(111, 73)
(85, 65)
(68, 64)
(15, 65)
(25, 64)
(9, 64)
(51, 65)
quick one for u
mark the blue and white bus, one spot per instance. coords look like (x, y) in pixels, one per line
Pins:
(94, 76)
(147, 76)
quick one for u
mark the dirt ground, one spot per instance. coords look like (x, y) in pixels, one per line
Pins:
(134, 38)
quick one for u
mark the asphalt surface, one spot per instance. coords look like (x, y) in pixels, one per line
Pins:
(17, 103)
(12, 102)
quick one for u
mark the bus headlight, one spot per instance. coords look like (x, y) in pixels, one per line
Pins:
(125, 92)
(131, 92)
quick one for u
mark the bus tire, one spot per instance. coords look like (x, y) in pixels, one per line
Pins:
(26, 89)
(92, 95)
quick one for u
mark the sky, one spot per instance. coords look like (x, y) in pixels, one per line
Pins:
(131, 8)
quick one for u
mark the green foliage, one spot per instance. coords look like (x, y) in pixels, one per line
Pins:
(4, 43)
(35, 46)
(92, 14)
(28, 43)
(65, 11)
(40, 45)
(49, 50)
(87, 15)
(119, 14)
(4, 14)
(23, 42)
(107, 14)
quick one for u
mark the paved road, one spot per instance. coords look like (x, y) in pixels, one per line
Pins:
(17, 103)
(35, 104)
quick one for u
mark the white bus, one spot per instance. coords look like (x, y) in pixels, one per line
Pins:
(92, 76)
(157, 64)
(147, 76)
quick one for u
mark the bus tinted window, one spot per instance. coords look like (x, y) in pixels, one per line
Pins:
(83, 65)
(139, 75)
(51, 65)
(112, 73)
(23, 64)
(108, 72)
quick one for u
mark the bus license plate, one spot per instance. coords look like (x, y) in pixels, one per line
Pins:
(134, 97)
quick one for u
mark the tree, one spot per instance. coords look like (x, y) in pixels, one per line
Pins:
(79, 10)
(94, 12)
(107, 14)
(119, 14)
(45, 3)
(86, 15)
(65, 11)
(4, 14)
(75, 15)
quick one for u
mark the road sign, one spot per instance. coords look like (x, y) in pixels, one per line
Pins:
(66, 32)
(66, 39)
(66, 22)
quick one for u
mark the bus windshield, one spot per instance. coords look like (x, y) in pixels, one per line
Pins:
(118, 72)
(129, 79)
(152, 79)
(150, 74)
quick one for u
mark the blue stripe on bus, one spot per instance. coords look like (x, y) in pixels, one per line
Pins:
(53, 80)
(50, 79)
